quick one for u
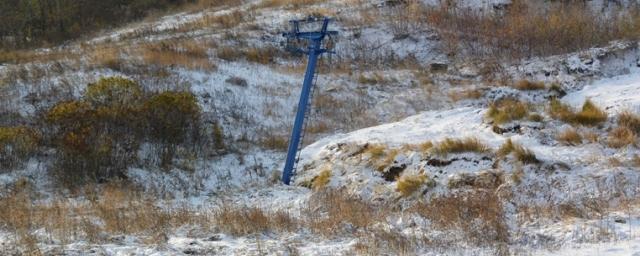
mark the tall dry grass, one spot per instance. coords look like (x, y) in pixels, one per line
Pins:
(527, 29)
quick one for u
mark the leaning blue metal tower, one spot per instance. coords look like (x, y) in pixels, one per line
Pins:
(314, 50)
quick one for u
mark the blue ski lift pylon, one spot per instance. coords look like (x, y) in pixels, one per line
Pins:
(311, 44)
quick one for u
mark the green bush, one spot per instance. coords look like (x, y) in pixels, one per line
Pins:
(98, 137)
(171, 116)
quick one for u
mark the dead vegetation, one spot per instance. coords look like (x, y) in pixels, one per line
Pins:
(569, 137)
(527, 29)
(519, 152)
(289, 4)
(507, 110)
(454, 146)
(589, 114)
(526, 85)
(620, 137)
(409, 184)
(477, 214)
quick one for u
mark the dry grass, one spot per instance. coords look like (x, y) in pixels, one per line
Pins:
(186, 54)
(331, 212)
(263, 55)
(290, 4)
(569, 137)
(471, 94)
(409, 184)
(526, 85)
(321, 181)
(636, 161)
(274, 142)
(527, 29)
(209, 21)
(630, 120)
(589, 115)
(107, 57)
(477, 214)
(376, 151)
(243, 220)
(29, 56)
(621, 136)
(519, 152)
(507, 110)
(449, 146)
(591, 136)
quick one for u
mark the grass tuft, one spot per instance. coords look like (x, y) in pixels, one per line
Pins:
(620, 137)
(519, 152)
(321, 180)
(450, 145)
(409, 184)
(569, 137)
(630, 120)
(589, 115)
(526, 85)
(506, 111)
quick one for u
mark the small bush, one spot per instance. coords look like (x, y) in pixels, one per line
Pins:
(507, 111)
(409, 184)
(569, 137)
(450, 145)
(113, 92)
(620, 137)
(321, 180)
(172, 115)
(98, 138)
(526, 85)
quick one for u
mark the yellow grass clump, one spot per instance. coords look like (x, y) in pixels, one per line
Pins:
(450, 145)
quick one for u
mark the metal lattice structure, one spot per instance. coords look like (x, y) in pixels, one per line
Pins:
(313, 48)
